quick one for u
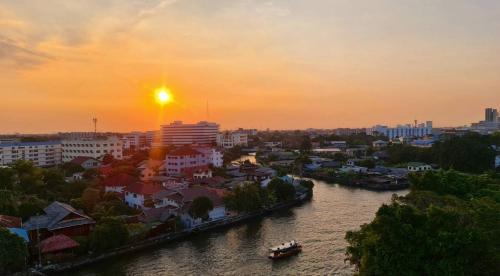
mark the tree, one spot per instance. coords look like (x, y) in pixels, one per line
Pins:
(13, 252)
(90, 197)
(109, 233)
(281, 190)
(447, 225)
(246, 197)
(308, 184)
(7, 178)
(107, 159)
(306, 144)
(200, 207)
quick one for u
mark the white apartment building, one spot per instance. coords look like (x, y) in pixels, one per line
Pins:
(214, 156)
(91, 147)
(138, 140)
(42, 154)
(230, 139)
(408, 130)
(178, 133)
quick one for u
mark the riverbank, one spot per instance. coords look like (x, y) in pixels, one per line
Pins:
(166, 238)
(368, 183)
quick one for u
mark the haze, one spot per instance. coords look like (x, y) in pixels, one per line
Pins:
(259, 64)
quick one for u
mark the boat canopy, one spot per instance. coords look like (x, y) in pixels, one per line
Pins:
(284, 246)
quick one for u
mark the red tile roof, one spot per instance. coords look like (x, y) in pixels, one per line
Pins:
(122, 180)
(57, 243)
(142, 188)
(183, 151)
(10, 222)
(81, 159)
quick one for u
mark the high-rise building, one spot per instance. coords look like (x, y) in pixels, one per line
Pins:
(42, 154)
(178, 133)
(490, 115)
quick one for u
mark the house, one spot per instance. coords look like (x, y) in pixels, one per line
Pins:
(418, 167)
(140, 192)
(497, 161)
(86, 162)
(379, 144)
(202, 173)
(59, 218)
(150, 168)
(161, 214)
(118, 183)
(57, 244)
(75, 177)
(190, 194)
(356, 169)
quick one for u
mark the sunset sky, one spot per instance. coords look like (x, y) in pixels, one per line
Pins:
(259, 64)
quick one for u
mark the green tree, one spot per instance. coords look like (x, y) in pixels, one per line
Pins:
(90, 197)
(246, 197)
(281, 190)
(13, 252)
(109, 233)
(306, 144)
(200, 207)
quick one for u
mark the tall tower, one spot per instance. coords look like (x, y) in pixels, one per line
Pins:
(94, 120)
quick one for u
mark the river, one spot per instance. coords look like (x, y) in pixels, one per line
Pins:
(320, 225)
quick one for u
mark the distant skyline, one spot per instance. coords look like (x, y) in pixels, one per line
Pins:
(259, 64)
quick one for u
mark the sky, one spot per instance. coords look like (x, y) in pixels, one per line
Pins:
(255, 64)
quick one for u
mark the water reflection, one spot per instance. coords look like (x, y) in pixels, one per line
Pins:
(319, 224)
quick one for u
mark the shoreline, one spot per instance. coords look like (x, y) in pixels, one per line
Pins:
(165, 238)
(375, 187)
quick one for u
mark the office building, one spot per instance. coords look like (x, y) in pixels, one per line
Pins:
(138, 140)
(178, 133)
(42, 154)
(490, 115)
(91, 147)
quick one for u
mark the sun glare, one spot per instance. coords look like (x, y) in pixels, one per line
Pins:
(163, 95)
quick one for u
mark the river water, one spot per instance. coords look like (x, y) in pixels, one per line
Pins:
(320, 225)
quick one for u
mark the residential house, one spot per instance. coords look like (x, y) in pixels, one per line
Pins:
(59, 218)
(139, 193)
(151, 168)
(497, 161)
(215, 195)
(86, 162)
(118, 183)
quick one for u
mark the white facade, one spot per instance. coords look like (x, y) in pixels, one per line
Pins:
(229, 139)
(95, 148)
(217, 213)
(134, 200)
(420, 130)
(214, 156)
(497, 161)
(42, 154)
(178, 133)
(138, 140)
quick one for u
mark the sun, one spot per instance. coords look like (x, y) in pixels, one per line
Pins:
(163, 95)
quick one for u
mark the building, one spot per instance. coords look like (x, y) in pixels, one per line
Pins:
(490, 124)
(138, 193)
(418, 167)
(42, 154)
(59, 218)
(336, 144)
(138, 140)
(420, 130)
(230, 139)
(497, 161)
(490, 115)
(183, 159)
(86, 162)
(379, 144)
(214, 156)
(118, 183)
(91, 147)
(178, 133)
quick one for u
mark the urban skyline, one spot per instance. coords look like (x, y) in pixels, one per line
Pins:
(322, 65)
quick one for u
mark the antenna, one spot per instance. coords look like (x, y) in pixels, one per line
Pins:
(415, 122)
(94, 120)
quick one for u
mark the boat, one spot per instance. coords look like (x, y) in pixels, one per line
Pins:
(285, 250)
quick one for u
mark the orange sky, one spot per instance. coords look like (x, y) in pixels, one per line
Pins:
(260, 64)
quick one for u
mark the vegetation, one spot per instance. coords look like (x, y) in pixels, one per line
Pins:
(447, 225)
(200, 207)
(245, 198)
(281, 190)
(109, 233)
(13, 252)
(471, 153)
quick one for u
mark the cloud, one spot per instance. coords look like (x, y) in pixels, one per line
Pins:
(14, 54)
